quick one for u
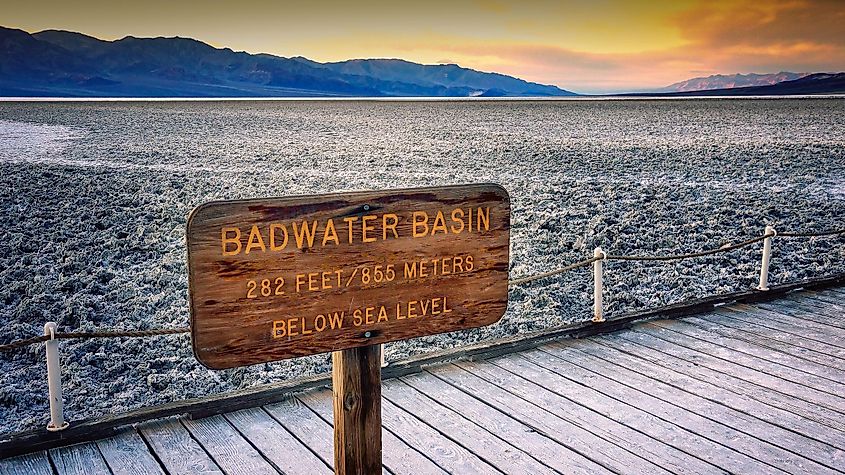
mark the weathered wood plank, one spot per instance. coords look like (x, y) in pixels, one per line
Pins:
(636, 410)
(79, 459)
(747, 435)
(127, 454)
(232, 453)
(821, 376)
(747, 367)
(792, 317)
(775, 339)
(810, 314)
(36, 463)
(762, 318)
(305, 425)
(661, 353)
(820, 315)
(476, 439)
(740, 402)
(446, 453)
(656, 455)
(509, 427)
(283, 450)
(399, 457)
(176, 449)
(813, 310)
(825, 300)
(563, 429)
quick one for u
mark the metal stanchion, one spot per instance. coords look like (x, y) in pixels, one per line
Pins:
(54, 380)
(767, 255)
(598, 311)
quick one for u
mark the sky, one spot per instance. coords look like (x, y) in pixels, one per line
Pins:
(585, 46)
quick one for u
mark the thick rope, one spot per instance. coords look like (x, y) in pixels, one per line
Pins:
(532, 278)
(694, 254)
(88, 335)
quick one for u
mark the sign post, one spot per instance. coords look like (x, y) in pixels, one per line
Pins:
(279, 278)
(356, 387)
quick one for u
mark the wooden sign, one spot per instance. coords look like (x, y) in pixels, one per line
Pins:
(280, 278)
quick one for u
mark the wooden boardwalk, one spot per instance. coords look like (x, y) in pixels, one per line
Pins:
(754, 388)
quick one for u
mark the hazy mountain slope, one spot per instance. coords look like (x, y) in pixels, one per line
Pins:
(61, 63)
(448, 75)
(818, 83)
(721, 81)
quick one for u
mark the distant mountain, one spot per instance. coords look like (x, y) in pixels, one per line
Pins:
(818, 83)
(812, 84)
(721, 81)
(61, 63)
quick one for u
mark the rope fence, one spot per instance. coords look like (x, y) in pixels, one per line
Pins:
(513, 283)
(51, 335)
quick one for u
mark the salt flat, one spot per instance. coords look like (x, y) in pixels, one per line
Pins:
(94, 198)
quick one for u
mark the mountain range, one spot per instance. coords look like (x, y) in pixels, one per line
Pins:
(55, 63)
(62, 63)
(729, 81)
(817, 83)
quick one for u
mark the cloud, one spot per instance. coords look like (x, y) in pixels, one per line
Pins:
(718, 37)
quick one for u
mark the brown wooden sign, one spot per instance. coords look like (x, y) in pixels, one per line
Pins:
(279, 278)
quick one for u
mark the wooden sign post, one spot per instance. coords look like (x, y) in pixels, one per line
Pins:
(272, 279)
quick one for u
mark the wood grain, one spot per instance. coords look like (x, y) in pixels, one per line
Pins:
(268, 305)
(356, 388)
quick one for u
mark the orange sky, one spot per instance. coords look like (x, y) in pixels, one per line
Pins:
(595, 46)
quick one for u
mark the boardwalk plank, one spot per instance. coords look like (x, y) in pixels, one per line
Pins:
(750, 368)
(743, 433)
(825, 300)
(306, 426)
(176, 449)
(705, 389)
(758, 348)
(823, 315)
(637, 410)
(807, 309)
(79, 459)
(539, 445)
(654, 449)
(127, 454)
(790, 319)
(807, 313)
(468, 434)
(399, 457)
(775, 339)
(283, 450)
(661, 353)
(36, 463)
(762, 318)
(567, 428)
(227, 447)
(449, 455)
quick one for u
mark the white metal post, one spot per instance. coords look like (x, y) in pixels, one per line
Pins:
(767, 255)
(598, 313)
(54, 380)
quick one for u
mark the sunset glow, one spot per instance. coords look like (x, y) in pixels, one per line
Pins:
(597, 46)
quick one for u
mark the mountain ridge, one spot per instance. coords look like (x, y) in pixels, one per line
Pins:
(731, 81)
(63, 63)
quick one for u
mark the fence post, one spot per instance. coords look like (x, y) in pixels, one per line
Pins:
(767, 255)
(54, 380)
(598, 311)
